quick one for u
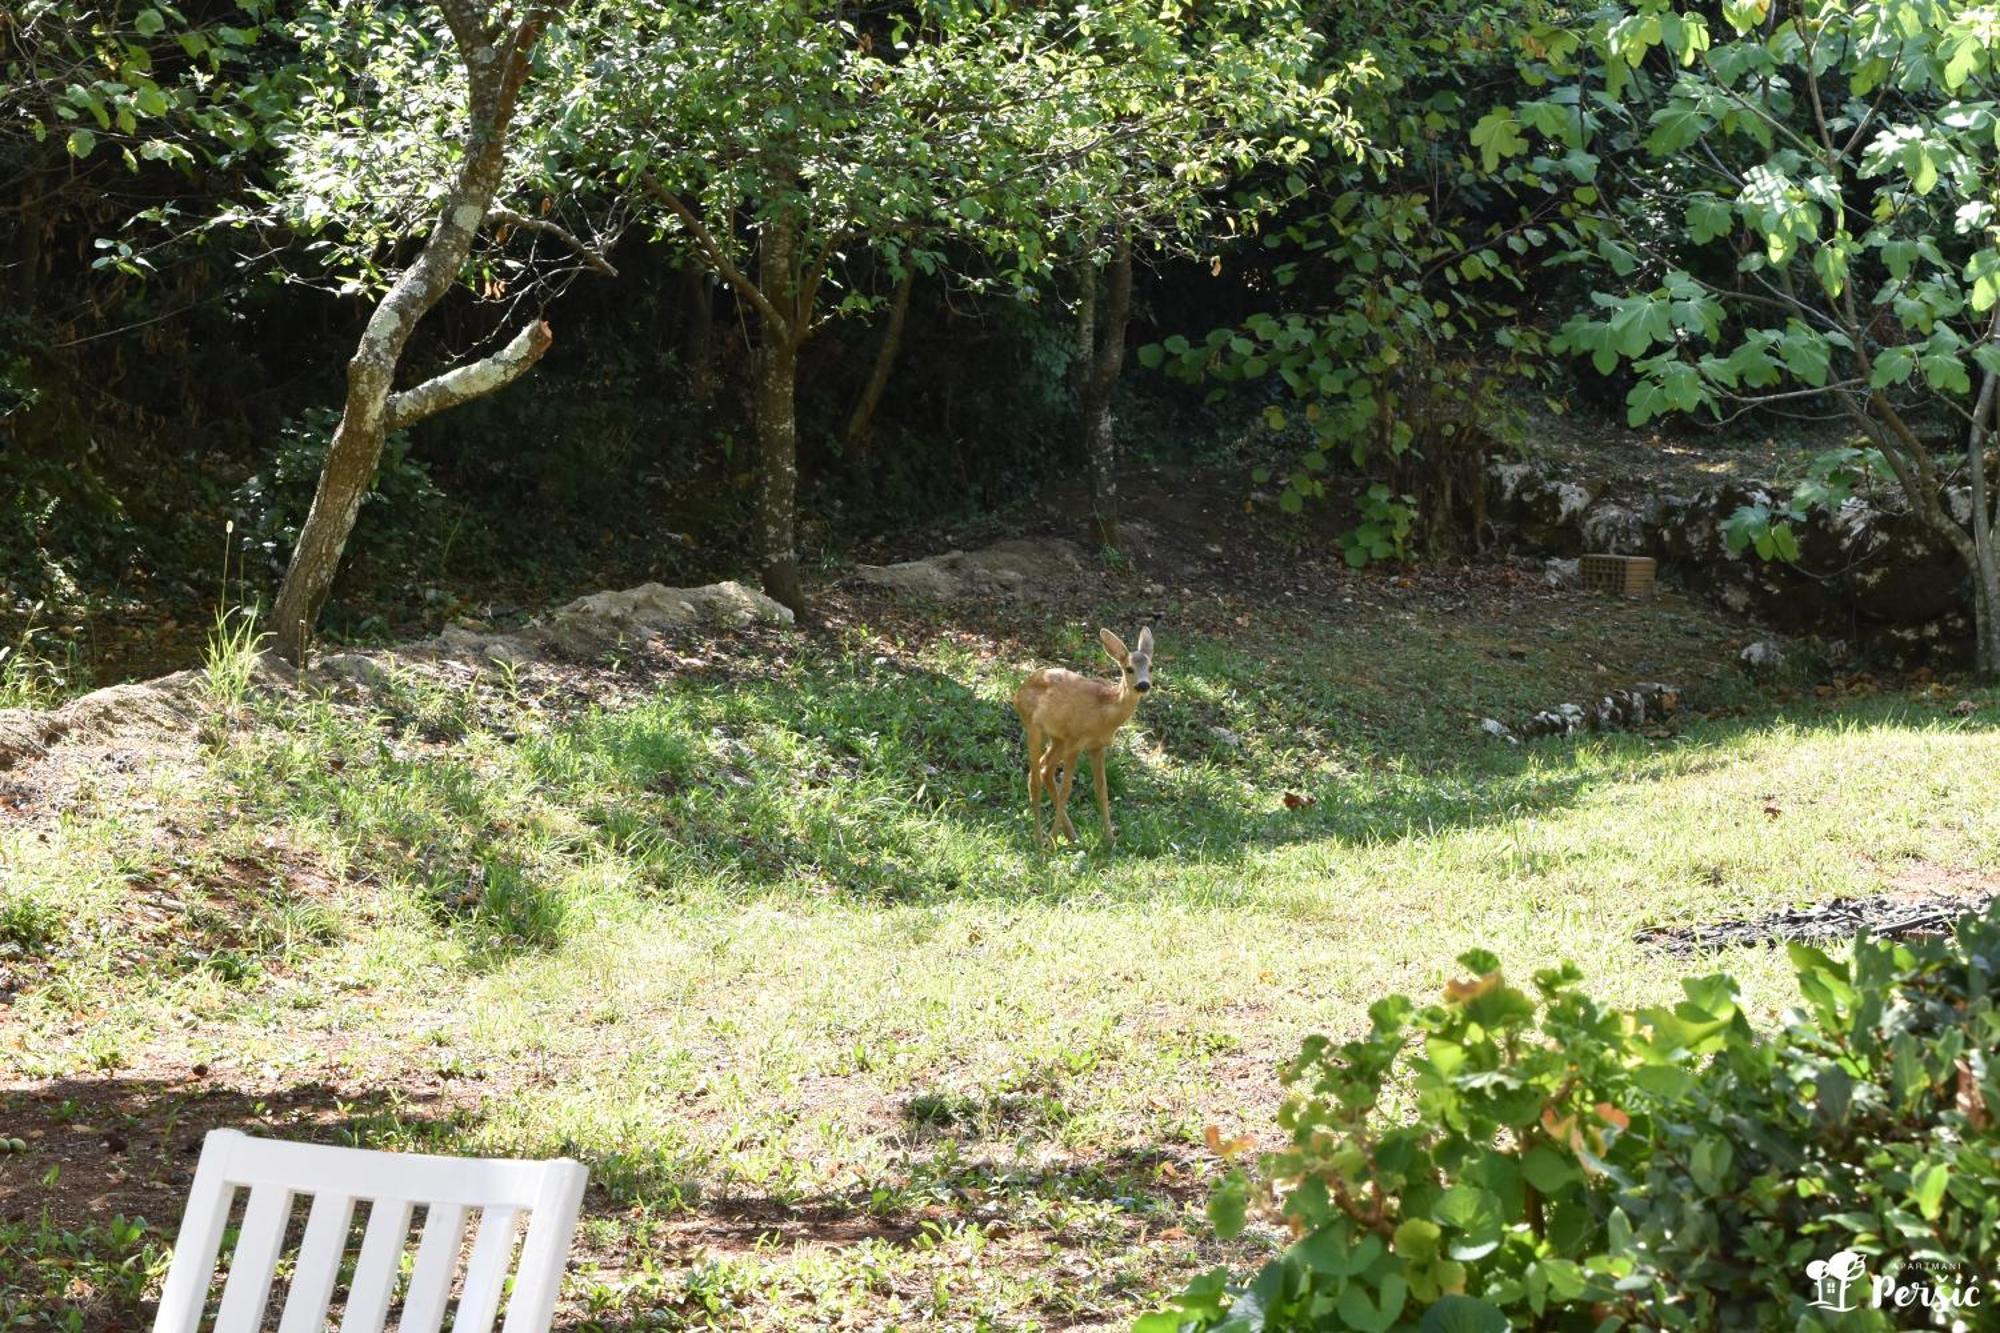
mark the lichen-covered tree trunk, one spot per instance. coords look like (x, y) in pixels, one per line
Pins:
(1100, 442)
(496, 63)
(861, 423)
(777, 413)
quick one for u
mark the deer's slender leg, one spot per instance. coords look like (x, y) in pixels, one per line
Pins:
(1068, 761)
(1103, 796)
(1035, 747)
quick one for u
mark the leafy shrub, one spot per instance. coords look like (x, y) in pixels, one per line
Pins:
(1505, 1159)
(1830, 479)
(399, 515)
(1384, 530)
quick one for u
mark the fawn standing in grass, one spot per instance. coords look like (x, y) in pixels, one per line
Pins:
(1066, 714)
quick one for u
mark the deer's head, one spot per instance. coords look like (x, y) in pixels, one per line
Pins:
(1136, 663)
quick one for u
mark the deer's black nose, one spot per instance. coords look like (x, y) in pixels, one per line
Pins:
(1143, 686)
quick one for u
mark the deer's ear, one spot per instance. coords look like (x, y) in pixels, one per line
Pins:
(1113, 645)
(1146, 641)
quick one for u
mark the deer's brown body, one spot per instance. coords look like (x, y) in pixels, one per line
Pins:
(1066, 713)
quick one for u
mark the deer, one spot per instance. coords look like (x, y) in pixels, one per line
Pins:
(1066, 713)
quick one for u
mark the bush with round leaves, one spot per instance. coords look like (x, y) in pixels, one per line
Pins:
(1533, 1159)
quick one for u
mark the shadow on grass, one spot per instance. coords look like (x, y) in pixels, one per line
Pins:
(127, 1147)
(882, 780)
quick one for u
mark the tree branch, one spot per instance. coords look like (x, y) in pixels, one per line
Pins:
(589, 255)
(717, 256)
(466, 383)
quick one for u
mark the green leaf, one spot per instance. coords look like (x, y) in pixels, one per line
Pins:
(1497, 135)
(148, 23)
(1378, 1315)
(1417, 1239)
(1709, 1163)
(1473, 1213)
(1945, 372)
(1830, 264)
(1983, 272)
(1927, 1188)
(1463, 1314)
(1805, 352)
(1709, 217)
(1922, 168)
(1152, 356)
(1229, 1205)
(1675, 127)
(1548, 1170)
(81, 141)
(1894, 366)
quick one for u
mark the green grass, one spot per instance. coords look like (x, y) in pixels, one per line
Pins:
(772, 948)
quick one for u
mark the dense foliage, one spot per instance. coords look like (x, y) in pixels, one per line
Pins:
(1400, 321)
(1506, 1158)
(1383, 233)
(1793, 205)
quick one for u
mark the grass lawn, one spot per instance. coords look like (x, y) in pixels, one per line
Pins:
(757, 928)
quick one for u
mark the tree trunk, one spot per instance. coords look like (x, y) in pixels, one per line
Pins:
(1986, 612)
(699, 346)
(496, 63)
(1084, 355)
(28, 245)
(1100, 444)
(777, 413)
(863, 419)
(1982, 553)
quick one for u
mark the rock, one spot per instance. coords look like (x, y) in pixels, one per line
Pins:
(472, 644)
(1613, 528)
(1562, 720)
(604, 620)
(928, 579)
(166, 705)
(1619, 710)
(1874, 573)
(360, 668)
(1561, 573)
(1499, 730)
(1225, 736)
(1004, 571)
(1763, 653)
(590, 624)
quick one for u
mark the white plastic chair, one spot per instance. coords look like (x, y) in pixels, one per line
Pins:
(393, 1185)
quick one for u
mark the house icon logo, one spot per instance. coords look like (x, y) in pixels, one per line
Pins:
(1833, 1280)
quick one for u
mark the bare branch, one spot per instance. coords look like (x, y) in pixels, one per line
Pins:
(587, 253)
(466, 383)
(717, 256)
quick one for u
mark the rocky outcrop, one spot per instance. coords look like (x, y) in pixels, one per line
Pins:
(1003, 571)
(1866, 573)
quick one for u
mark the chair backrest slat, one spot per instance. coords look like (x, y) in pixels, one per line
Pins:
(430, 1280)
(533, 1306)
(392, 1186)
(486, 1274)
(376, 1271)
(318, 1264)
(255, 1262)
(186, 1291)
